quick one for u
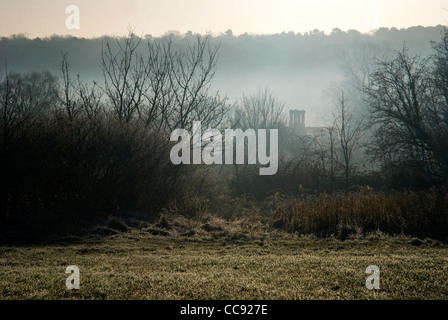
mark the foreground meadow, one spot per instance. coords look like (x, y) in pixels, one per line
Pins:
(225, 262)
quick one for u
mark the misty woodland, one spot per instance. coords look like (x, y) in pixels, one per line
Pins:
(100, 146)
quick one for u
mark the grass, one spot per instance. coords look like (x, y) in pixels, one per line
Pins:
(224, 260)
(423, 213)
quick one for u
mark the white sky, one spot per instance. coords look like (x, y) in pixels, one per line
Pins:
(99, 17)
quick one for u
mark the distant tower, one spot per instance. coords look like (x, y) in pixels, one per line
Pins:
(297, 120)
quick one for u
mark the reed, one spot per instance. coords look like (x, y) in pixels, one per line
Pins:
(423, 213)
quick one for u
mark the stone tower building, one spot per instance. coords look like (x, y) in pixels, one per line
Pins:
(297, 120)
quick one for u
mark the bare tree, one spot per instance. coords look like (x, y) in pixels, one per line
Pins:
(166, 88)
(190, 78)
(25, 99)
(160, 94)
(125, 76)
(68, 99)
(349, 133)
(358, 63)
(90, 98)
(438, 113)
(406, 116)
(333, 158)
(261, 110)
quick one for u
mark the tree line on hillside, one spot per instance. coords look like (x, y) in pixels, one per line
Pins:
(246, 52)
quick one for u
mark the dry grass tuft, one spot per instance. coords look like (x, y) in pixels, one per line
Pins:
(423, 213)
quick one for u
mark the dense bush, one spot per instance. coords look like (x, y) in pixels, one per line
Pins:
(70, 147)
(87, 165)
